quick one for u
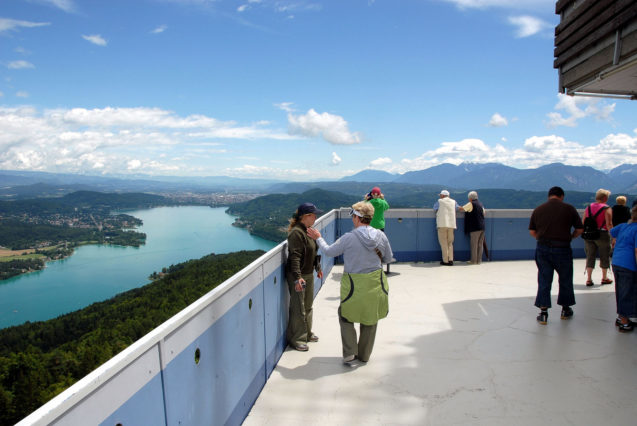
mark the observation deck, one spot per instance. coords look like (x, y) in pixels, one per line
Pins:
(460, 346)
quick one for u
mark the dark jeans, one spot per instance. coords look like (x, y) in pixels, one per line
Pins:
(548, 260)
(625, 291)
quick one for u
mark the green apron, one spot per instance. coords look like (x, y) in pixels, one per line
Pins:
(364, 297)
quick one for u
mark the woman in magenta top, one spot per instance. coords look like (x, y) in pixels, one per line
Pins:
(602, 244)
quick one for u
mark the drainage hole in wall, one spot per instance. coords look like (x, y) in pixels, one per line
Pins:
(197, 355)
(274, 280)
(400, 219)
(250, 304)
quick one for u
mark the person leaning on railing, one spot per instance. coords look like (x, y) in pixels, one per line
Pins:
(364, 289)
(377, 199)
(299, 272)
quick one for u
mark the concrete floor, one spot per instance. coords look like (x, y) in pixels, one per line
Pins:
(461, 346)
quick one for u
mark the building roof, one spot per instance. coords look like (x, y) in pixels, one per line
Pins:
(596, 47)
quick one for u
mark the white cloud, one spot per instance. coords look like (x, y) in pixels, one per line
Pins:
(1, 94)
(7, 24)
(22, 94)
(332, 128)
(612, 150)
(380, 163)
(160, 29)
(498, 121)
(527, 25)
(134, 164)
(65, 5)
(243, 8)
(509, 4)
(95, 39)
(579, 107)
(285, 106)
(264, 171)
(114, 140)
(17, 65)
(336, 160)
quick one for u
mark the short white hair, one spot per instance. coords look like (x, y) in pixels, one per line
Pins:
(473, 195)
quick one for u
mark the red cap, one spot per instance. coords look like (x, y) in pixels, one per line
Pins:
(376, 190)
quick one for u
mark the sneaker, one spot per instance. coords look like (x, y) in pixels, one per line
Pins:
(301, 347)
(314, 338)
(349, 360)
(567, 313)
(543, 317)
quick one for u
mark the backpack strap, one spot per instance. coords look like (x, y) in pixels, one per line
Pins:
(594, 216)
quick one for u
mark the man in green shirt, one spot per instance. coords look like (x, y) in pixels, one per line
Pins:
(377, 199)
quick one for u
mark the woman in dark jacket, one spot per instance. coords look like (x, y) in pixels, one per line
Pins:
(474, 226)
(621, 212)
(299, 272)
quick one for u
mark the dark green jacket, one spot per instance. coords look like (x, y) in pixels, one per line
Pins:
(302, 259)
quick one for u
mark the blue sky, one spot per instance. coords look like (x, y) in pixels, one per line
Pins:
(292, 89)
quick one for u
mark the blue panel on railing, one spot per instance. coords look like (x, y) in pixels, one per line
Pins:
(276, 317)
(146, 407)
(230, 373)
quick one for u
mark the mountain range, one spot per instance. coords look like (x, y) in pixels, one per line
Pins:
(498, 176)
(462, 177)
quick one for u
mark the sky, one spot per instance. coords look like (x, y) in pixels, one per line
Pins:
(292, 89)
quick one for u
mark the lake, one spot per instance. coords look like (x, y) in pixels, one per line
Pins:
(98, 272)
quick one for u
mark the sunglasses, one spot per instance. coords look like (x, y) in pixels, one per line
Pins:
(353, 212)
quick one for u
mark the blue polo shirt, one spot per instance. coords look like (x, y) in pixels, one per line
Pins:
(624, 253)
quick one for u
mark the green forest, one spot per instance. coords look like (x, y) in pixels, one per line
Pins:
(267, 216)
(39, 360)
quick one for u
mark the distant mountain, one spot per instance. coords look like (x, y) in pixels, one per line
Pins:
(371, 176)
(626, 176)
(442, 174)
(498, 176)
(16, 185)
(54, 184)
(571, 178)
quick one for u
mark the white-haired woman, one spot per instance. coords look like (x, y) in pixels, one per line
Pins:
(474, 226)
(364, 289)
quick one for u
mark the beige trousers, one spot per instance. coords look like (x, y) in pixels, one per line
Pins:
(445, 238)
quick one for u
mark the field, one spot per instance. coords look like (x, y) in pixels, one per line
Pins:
(7, 255)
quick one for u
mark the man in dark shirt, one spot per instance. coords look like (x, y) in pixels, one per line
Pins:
(551, 225)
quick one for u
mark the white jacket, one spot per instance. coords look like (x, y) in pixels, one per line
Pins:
(446, 214)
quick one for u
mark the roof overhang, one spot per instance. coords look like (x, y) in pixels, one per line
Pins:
(596, 48)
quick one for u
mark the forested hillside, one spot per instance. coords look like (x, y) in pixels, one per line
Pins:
(39, 360)
(267, 216)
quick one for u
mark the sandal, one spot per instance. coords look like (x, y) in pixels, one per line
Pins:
(606, 281)
(589, 283)
(625, 328)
